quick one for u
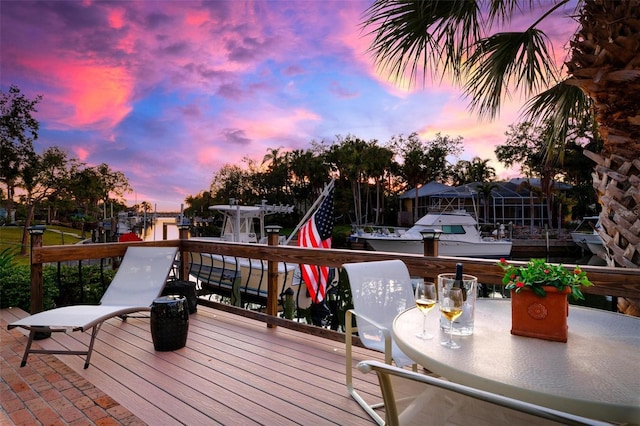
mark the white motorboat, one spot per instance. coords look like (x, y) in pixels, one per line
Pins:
(586, 235)
(460, 237)
(242, 278)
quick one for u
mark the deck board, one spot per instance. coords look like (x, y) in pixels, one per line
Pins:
(232, 370)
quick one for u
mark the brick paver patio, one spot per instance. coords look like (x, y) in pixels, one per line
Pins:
(47, 392)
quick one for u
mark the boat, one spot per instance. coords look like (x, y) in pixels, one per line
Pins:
(244, 279)
(460, 237)
(123, 225)
(586, 235)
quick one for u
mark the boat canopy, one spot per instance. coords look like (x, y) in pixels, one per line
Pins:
(239, 222)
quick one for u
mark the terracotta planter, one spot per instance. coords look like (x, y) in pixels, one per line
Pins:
(540, 317)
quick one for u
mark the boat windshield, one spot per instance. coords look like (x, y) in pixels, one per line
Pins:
(453, 229)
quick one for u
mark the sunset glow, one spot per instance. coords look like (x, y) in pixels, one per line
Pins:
(168, 92)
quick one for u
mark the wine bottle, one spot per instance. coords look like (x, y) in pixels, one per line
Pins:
(459, 282)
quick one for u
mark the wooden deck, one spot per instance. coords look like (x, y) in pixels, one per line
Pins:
(233, 370)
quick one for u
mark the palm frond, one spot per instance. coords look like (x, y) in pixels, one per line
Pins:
(422, 37)
(504, 59)
(560, 106)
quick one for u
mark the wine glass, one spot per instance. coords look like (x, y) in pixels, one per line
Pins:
(451, 300)
(425, 301)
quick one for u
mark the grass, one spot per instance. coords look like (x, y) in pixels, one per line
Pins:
(11, 236)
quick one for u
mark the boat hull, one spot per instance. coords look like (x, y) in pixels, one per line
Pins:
(589, 241)
(485, 249)
(246, 279)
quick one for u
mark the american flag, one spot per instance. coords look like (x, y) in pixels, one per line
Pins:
(316, 232)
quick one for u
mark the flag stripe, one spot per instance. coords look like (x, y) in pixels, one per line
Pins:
(316, 233)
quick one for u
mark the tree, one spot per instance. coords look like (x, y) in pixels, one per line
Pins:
(229, 182)
(309, 172)
(484, 191)
(347, 159)
(41, 176)
(449, 38)
(18, 131)
(378, 166)
(424, 162)
(114, 183)
(85, 187)
(455, 38)
(199, 204)
(476, 170)
(526, 146)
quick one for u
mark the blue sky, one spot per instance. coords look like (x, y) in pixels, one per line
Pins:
(170, 91)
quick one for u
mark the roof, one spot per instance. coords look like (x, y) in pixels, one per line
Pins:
(426, 190)
(513, 188)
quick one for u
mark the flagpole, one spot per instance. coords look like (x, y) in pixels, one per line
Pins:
(322, 196)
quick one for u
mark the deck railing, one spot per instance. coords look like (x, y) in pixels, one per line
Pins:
(614, 282)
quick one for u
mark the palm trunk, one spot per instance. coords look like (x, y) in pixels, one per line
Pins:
(605, 66)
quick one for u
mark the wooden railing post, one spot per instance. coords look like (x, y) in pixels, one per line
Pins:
(273, 233)
(183, 233)
(430, 238)
(431, 241)
(37, 282)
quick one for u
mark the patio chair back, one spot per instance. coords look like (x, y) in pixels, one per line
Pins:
(380, 291)
(140, 277)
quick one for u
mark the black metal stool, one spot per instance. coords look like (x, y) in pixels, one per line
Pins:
(169, 323)
(183, 288)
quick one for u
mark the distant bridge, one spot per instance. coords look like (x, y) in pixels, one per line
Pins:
(164, 214)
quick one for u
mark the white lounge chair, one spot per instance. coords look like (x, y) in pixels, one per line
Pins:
(138, 281)
(411, 398)
(380, 290)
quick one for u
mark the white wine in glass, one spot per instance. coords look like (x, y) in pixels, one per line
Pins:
(425, 301)
(451, 300)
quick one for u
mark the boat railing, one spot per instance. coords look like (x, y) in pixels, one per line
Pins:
(611, 282)
(242, 281)
(378, 229)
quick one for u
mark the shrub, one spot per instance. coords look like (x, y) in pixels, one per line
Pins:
(60, 284)
(70, 292)
(15, 289)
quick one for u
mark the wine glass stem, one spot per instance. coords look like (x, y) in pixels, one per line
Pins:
(451, 333)
(424, 324)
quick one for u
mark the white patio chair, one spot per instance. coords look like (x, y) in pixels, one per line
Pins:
(138, 281)
(380, 290)
(411, 398)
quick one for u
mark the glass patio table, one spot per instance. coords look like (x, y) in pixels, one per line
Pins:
(596, 374)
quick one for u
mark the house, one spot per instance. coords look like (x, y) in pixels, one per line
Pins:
(519, 201)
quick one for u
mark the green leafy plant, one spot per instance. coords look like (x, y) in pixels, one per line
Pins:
(61, 285)
(538, 273)
(8, 258)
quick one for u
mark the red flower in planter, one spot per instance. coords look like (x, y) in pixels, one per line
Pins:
(538, 273)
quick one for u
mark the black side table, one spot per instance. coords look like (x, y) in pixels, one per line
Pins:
(183, 288)
(169, 323)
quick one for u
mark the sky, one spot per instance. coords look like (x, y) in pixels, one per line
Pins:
(168, 92)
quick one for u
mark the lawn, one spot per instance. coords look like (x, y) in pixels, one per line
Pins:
(11, 236)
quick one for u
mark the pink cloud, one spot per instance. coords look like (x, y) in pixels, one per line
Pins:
(86, 95)
(169, 91)
(81, 153)
(116, 18)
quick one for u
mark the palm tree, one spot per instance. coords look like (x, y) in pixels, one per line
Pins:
(480, 170)
(484, 190)
(454, 38)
